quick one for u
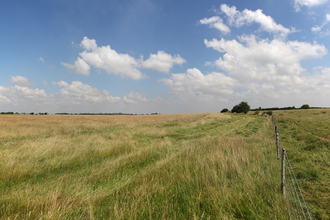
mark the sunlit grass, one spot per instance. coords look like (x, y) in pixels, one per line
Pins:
(305, 136)
(184, 166)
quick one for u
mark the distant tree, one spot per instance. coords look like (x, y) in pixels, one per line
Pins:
(224, 110)
(305, 106)
(31, 113)
(243, 107)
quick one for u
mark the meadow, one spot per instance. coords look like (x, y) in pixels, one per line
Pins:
(176, 166)
(306, 136)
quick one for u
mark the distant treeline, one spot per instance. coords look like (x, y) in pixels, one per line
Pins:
(11, 113)
(63, 113)
(277, 108)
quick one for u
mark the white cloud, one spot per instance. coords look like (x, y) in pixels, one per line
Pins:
(108, 59)
(82, 93)
(21, 81)
(135, 98)
(162, 61)
(195, 83)
(80, 67)
(122, 64)
(44, 82)
(41, 59)
(23, 99)
(247, 17)
(88, 44)
(216, 22)
(308, 3)
(263, 60)
(318, 28)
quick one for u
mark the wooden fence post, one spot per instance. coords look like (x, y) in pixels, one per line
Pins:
(283, 172)
(277, 142)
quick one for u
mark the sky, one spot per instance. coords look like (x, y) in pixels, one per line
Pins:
(165, 56)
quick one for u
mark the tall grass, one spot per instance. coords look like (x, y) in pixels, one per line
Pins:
(305, 135)
(188, 166)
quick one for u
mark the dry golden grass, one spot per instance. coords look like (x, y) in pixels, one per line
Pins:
(138, 167)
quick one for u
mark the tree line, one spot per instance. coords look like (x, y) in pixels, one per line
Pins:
(244, 107)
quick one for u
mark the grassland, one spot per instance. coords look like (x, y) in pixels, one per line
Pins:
(306, 137)
(184, 166)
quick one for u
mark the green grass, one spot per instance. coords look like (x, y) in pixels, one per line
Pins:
(305, 135)
(197, 166)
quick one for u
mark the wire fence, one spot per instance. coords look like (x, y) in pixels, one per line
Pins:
(296, 203)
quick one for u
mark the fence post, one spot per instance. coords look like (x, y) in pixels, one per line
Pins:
(277, 142)
(283, 172)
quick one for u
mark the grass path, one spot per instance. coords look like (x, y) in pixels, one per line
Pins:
(324, 139)
(241, 125)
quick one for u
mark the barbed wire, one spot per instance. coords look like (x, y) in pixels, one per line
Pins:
(296, 203)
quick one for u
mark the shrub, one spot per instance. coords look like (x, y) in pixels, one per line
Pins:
(224, 110)
(267, 113)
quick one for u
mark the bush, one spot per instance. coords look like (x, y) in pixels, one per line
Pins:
(224, 110)
(257, 112)
(267, 113)
(243, 107)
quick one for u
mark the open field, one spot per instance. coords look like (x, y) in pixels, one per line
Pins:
(306, 136)
(183, 166)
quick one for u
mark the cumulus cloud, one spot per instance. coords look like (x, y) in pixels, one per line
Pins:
(195, 83)
(263, 60)
(126, 66)
(135, 98)
(75, 97)
(24, 99)
(80, 67)
(21, 81)
(83, 93)
(162, 61)
(247, 17)
(308, 3)
(216, 22)
(105, 58)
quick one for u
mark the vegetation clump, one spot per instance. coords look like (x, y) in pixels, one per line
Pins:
(305, 106)
(242, 107)
(224, 110)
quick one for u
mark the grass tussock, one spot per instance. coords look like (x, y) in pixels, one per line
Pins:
(184, 166)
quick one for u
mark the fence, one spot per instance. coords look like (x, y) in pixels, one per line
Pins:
(289, 185)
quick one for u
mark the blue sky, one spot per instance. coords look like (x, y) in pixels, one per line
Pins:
(144, 56)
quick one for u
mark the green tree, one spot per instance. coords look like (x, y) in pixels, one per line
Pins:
(235, 109)
(242, 107)
(305, 106)
(224, 110)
